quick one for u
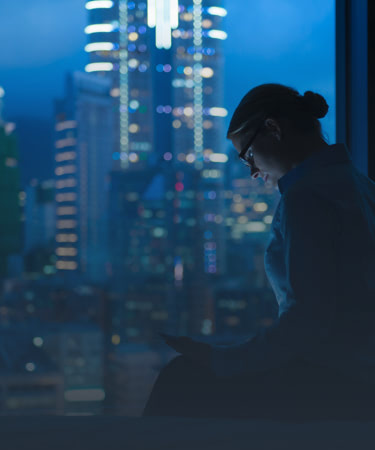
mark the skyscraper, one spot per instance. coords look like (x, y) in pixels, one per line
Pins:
(164, 61)
(119, 48)
(83, 159)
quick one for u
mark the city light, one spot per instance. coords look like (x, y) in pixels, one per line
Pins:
(124, 84)
(99, 67)
(198, 83)
(255, 227)
(133, 128)
(268, 219)
(133, 157)
(66, 211)
(38, 341)
(30, 367)
(217, 34)
(178, 269)
(63, 170)
(218, 112)
(116, 339)
(163, 16)
(218, 157)
(66, 265)
(260, 207)
(2, 92)
(133, 36)
(151, 13)
(66, 237)
(99, 47)
(65, 156)
(68, 142)
(9, 128)
(66, 251)
(207, 72)
(99, 4)
(99, 28)
(65, 125)
(217, 11)
(61, 224)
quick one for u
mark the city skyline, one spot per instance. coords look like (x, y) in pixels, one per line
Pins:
(252, 55)
(133, 215)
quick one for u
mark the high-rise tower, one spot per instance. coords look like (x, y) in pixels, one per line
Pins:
(83, 142)
(164, 60)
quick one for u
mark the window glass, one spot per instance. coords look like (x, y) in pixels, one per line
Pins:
(125, 210)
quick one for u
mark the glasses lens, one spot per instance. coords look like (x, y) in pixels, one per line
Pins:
(245, 161)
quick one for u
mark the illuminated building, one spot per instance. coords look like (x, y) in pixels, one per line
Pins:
(119, 49)
(140, 253)
(167, 81)
(10, 223)
(83, 143)
(198, 158)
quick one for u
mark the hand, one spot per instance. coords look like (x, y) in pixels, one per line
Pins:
(198, 352)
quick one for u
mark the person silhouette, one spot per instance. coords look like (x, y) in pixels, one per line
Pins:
(318, 359)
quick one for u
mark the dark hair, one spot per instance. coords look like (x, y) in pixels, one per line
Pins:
(278, 101)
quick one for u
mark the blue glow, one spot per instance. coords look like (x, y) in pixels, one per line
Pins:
(160, 68)
(208, 234)
(131, 5)
(132, 47)
(116, 156)
(142, 29)
(209, 51)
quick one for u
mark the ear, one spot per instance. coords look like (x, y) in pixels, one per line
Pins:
(274, 128)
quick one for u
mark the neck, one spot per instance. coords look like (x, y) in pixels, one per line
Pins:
(304, 146)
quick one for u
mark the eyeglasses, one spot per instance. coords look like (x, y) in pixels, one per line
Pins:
(246, 155)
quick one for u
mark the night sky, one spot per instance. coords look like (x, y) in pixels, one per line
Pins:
(284, 41)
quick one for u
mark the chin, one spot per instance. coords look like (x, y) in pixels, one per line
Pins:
(272, 183)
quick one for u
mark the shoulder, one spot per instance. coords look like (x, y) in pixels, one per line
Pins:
(303, 196)
(308, 207)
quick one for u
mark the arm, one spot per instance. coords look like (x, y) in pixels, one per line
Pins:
(309, 227)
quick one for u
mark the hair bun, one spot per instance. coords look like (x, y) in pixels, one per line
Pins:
(316, 104)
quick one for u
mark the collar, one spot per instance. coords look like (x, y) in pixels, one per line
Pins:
(334, 154)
